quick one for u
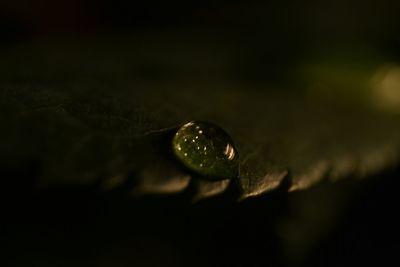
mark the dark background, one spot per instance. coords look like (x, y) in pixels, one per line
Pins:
(342, 224)
(350, 222)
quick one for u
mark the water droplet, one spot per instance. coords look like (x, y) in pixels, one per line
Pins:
(218, 159)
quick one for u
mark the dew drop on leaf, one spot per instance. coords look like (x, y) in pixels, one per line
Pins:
(207, 150)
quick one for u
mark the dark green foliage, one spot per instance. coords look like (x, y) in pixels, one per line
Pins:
(85, 119)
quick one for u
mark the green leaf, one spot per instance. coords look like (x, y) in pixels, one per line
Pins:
(85, 124)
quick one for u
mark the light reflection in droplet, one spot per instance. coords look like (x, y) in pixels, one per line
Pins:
(229, 151)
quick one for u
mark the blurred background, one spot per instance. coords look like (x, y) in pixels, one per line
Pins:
(335, 49)
(339, 51)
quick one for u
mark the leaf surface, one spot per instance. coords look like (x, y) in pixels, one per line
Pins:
(82, 123)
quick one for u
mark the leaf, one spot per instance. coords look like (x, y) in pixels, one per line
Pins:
(100, 127)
